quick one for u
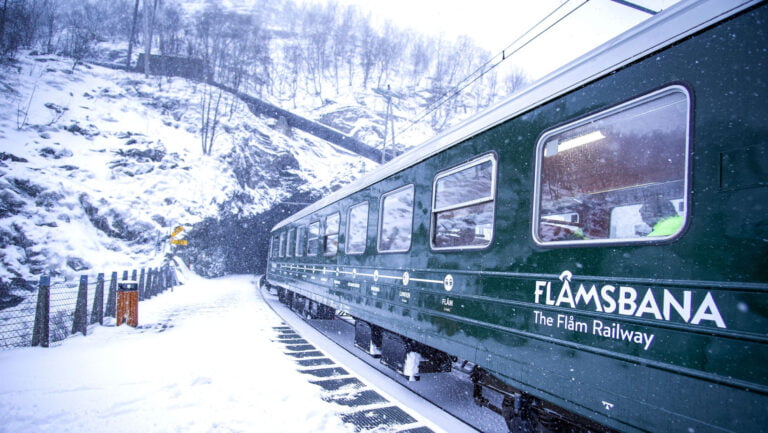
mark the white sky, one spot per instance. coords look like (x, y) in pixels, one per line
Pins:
(495, 24)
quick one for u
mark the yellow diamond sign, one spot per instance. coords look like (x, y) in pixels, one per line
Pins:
(175, 233)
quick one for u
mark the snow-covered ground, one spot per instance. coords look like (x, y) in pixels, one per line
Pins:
(202, 360)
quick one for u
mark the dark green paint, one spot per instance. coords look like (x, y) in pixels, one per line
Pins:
(702, 377)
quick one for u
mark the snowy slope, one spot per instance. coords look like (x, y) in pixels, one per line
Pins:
(97, 166)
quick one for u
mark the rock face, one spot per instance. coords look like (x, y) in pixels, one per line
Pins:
(113, 223)
(232, 243)
(95, 175)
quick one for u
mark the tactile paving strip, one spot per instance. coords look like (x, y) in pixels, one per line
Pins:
(314, 362)
(373, 418)
(326, 372)
(310, 354)
(363, 398)
(337, 384)
(300, 347)
(368, 409)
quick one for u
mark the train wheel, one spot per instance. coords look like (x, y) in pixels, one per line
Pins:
(519, 415)
(368, 338)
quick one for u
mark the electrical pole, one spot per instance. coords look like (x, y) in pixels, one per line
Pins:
(386, 125)
(388, 117)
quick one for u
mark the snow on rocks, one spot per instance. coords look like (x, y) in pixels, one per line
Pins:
(97, 166)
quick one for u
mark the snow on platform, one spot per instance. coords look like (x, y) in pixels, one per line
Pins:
(213, 368)
(446, 390)
(365, 408)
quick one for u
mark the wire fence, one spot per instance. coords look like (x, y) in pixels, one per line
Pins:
(40, 313)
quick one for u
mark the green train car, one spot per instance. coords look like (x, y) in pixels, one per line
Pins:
(595, 248)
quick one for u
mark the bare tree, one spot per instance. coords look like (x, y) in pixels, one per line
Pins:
(51, 25)
(389, 49)
(368, 44)
(344, 44)
(81, 31)
(170, 25)
(15, 22)
(3, 17)
(515, 81)
(318, 26)
(209, 116)
(131, 36)
(149, 21)
(292, 54)
(420, 57)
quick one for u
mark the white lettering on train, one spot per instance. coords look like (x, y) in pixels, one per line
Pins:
(628, 301)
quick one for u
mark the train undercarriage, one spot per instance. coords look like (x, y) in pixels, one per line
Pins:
(522, 412)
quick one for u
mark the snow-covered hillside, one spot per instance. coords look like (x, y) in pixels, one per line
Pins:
(97, 166)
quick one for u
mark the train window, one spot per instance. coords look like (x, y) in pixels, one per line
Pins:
(290, 243)
(463, 205)
(275, 245)
(396, 220)
(331, 238)
(282, 244)
(357, 228)
(313, 240)
(617, 176)
(300, 235)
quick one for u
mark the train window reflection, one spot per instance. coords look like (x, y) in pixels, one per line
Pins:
(275, 246)
(300, 235)
(313, 240)
(357, 228)
(331, 234)
(396, 220)
(619, 175)
(282, 244)
(291, 244)
(462, 205)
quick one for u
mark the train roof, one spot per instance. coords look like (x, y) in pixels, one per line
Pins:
(669, 26)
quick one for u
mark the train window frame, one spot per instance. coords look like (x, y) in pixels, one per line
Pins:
(331, 234)
(274, 247)
(382, 220)
(300, 236)
(348, 244)
(310, 250)
(490, 198)
(282, 244)
(290, 242)
(680, 205)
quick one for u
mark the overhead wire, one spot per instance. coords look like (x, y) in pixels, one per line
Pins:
(480, 71)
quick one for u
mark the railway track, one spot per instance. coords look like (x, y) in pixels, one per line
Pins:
(373, 396)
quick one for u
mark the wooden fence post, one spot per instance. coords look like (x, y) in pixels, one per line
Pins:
(112, 296)
(157, 284)
(172, 276)
(79, 324)
(159, 277)
(163, 280)
(97, 312)
(40, 333)
(142, 289)
(148, 284)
